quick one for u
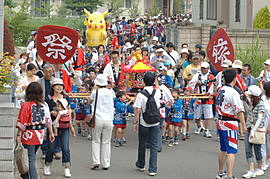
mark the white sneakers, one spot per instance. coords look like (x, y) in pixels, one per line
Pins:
(253, 174)
(249, 174)
(207, 133)
(47, 170)
(259, 172)
(198, 130)
(67, 173)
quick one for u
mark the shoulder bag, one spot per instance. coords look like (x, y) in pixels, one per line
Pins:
(93, 119)
(259, 136)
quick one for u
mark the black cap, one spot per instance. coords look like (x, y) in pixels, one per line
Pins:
(198, 46)
(149, 78)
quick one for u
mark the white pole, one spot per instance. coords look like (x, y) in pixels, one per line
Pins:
(1, 26)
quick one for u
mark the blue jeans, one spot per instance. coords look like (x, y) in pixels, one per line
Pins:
(63, 137)
(150, 135)
(32, 173)
(248, 149)
(46, 145)
(160, 135)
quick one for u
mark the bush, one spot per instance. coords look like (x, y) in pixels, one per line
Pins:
(5, 72)
(253, 55)
(262, 19)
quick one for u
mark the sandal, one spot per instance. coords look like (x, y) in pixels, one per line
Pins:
(94, 167)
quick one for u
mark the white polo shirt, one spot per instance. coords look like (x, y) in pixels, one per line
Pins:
(141, 100)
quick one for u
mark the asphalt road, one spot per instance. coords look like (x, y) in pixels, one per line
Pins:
(191, 159)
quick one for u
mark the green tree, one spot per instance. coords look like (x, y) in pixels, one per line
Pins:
(178, 7)
(155, 10)
(116, 6)
(134, 11)
(262, 19)
(78, 5)
(44, 10)
(10, 3)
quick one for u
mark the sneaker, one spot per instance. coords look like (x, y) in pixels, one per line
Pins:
(221, 175)
(47, 170)
(207, 133)
(163, 139)
(67, 173)
(249, 174)
(259, 172)
(171, 143)
(265, 167)
(117, 144)
(188, 135)
(176, 140)
(152, 173)
(198, 130)
(124, 141)
(141, 169)
(89, 137)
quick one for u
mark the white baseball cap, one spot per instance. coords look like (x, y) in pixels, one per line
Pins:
(155, 38)
(184, 50)
(237, 64)
(267, 62)
(162, 68)
(22, 61)
(254, 90)
(101, 80)
(205, 65)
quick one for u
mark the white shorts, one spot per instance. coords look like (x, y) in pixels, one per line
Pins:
(205, 109)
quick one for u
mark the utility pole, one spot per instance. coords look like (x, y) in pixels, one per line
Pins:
(1, 26)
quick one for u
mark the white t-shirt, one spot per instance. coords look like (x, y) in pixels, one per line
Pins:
(105, 105)
(228, 104)
(141, 100)
(219, 79)
(266, 78)
(175, 55)
(267, 110)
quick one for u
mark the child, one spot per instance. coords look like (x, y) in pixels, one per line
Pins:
(63, 119)
(176, 118)
(188, 115)
(122, 107)
(80, 115)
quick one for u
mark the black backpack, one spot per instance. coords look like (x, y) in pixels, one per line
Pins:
(151, 114)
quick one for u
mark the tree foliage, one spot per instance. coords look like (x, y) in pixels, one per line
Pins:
(134, 11)
(155, 10)
(10, 3)
(116, 6)
(178, 7)
(262, 19)
(78, 5)
(5, 71)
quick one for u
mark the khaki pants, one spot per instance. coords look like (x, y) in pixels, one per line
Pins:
(101, 144)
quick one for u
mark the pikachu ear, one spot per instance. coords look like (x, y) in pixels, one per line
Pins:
(105, 13)
(87, 12)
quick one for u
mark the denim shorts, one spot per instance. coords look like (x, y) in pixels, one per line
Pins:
(228, 141)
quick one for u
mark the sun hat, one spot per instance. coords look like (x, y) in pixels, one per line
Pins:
(101, 80)
(237, 64)
(155, 38)
(226, 63)
(184, 50)
(254, 90)
(267, 62)
(205, 65)
(57, 81)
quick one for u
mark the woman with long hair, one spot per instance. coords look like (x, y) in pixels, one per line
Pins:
(33, 119)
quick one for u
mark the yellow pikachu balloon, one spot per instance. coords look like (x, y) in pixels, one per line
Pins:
(96, 28)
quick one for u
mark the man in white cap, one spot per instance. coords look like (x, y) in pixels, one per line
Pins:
(226, 64)
(265, 74)
(159, 59)
(203, 83)
(153, 43)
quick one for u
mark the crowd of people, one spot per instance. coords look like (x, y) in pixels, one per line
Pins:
(49, 112)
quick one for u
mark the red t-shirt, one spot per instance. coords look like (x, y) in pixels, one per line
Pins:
(31, 115)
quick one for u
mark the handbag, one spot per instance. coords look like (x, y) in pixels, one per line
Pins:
(93, 118)
(259, 136)
(21, 158)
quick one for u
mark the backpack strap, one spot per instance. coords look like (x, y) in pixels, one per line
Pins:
(147, 94)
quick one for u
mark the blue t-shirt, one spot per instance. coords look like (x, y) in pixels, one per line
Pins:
(177, 110)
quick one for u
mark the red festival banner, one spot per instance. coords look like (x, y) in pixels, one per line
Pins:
(56, 44)
(220, 48)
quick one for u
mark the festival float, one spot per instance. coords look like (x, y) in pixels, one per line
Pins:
(132, 74)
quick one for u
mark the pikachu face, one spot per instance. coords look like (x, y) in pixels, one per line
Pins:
(95, 21)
